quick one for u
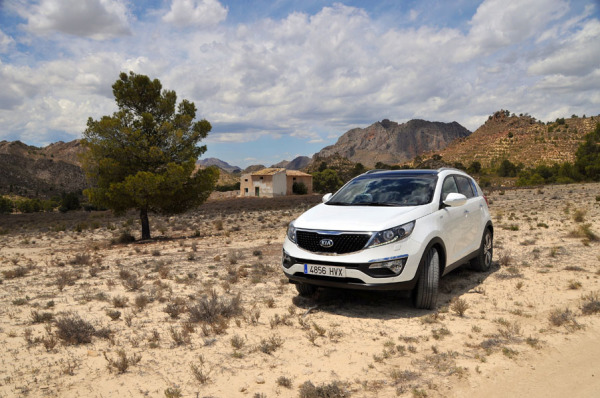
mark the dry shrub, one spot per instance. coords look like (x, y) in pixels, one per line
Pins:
(141, 301)
(590, 303)
(584, 231)
(41, 317)
(122, 362)
(81, 259)
(176, 307)
(73, 330)
(285, 382)
(17, 272)
(66, 278)
(270, 345)
(133, 282)
(120, 301)
(210, 309)
(331, 390)
(459, 306)
(566, 317)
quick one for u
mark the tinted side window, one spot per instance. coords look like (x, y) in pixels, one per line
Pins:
(448, 187)
(464, 186)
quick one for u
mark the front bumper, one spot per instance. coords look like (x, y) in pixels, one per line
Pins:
(359, 275)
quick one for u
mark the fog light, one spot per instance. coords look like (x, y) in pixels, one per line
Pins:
(286, 260)
(396, 266)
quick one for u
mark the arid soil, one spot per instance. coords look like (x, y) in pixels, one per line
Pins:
(203, 310)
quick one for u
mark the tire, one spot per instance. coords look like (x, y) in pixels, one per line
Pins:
(305, 290)
(426, 291)
(483, 261)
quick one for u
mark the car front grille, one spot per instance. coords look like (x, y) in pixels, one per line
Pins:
(342, 243)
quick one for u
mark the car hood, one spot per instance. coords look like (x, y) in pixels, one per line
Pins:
(358, 218)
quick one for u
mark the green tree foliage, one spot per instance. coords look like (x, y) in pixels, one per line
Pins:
(229, 187)
(358, 169)
(69, 201)
(6, 205)
(326, 181)
(588, 155)
(508, 169)
(144, 156)
(299, 188)
(474, 167)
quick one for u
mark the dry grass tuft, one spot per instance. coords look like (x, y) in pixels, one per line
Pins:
(590, 303)
(331, 390)
(122, 362)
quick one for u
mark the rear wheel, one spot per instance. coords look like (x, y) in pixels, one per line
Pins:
(426, 292)
(305, 290)
(483, 261)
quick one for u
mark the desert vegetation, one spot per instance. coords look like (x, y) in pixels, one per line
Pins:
(203, 309)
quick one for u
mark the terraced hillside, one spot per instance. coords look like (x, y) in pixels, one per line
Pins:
(520, 139)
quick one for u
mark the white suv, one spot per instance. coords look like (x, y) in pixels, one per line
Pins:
(391, 230)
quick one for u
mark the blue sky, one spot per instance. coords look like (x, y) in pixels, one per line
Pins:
(278, 79)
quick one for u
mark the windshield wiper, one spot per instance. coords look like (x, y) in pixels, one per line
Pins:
(338, 203)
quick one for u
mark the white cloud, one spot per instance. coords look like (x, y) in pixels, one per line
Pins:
(200, 13)
(578, 54)
(501, 23)
(6, 42)
(95, 19)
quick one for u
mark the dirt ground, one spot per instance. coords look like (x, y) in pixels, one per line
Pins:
(203, 310)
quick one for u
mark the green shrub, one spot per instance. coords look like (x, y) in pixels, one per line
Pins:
(299, 188)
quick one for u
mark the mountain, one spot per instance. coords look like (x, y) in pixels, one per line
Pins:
(520, 139)
(298, 163)
(44, 172)
(392, 143)
(220, 164)
(281, 165)
(253, 168)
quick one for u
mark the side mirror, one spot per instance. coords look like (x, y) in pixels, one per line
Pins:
(455, 199)
(326, 197)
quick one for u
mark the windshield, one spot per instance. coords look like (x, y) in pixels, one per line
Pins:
(394, 190)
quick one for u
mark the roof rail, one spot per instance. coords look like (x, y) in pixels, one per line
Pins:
(450, 168)
(374, 171)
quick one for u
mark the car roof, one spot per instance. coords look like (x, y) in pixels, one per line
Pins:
(409, 172)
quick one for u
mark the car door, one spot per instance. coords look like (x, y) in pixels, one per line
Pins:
(472, 213)
(454, 224)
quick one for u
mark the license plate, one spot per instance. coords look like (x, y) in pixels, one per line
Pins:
(325, 270)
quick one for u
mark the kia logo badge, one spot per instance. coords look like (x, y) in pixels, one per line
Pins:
(326, 243)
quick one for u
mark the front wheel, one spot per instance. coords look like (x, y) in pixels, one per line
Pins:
(483, 261)
(305, 290)
(426, 291)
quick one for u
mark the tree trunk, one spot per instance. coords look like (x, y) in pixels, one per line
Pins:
(145, 224)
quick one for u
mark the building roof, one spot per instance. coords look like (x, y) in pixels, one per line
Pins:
(296, 173)
(274, 170)
(268, 171)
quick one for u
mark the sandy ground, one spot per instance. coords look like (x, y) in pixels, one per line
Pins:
(204, 310)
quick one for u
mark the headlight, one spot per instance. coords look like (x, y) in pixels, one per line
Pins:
(291, 232)
(391, 235)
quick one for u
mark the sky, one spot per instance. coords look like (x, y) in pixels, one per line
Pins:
(283, 78)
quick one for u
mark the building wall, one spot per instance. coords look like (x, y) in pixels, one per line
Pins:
(246, 188)
(307, 180)
(279, 184)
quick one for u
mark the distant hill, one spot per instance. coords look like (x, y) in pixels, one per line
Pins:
(392, 143)
(281, 165)
(298, 163)
(44, 172)
(220, 164)
(253, 168)
(520, 139)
